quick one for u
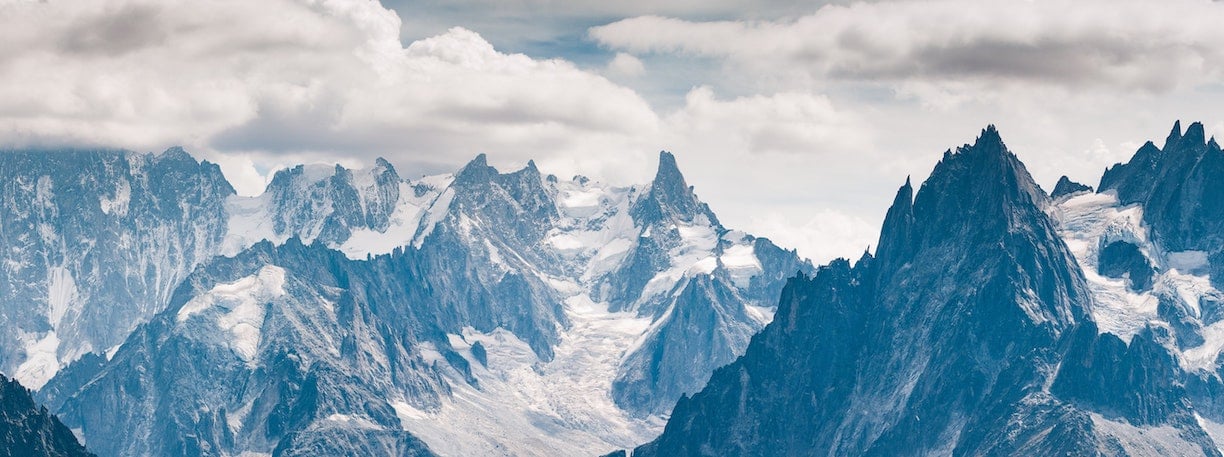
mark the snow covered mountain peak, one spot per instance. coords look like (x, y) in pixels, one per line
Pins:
(430, 300)
(994, 322)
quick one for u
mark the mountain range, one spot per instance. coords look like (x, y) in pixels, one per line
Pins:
(353, 312)
(994, 319)
(357, 312)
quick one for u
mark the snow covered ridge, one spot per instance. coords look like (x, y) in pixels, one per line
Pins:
(584, 298)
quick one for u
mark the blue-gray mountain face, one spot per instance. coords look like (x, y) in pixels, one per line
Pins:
(354, 312)
(994, 320)
(93, 244)
(27, 429)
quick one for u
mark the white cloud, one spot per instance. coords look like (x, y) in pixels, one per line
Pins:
(798, 123)
(1134, 44)
(820, 235)
(758, 125)
(626, 65)
(325, 81)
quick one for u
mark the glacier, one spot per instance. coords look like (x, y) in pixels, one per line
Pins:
(578, 294)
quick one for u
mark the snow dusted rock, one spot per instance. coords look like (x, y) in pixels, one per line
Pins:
(1065, 186)
(509, 312)
(27, 429)
(973, 331)
(95, 242)
(289, 350)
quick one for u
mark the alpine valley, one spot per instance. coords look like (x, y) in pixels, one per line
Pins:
(356, 312)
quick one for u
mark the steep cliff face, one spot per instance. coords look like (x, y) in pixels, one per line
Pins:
(290, 350)
(94, 243)
(27, 429)
(970, 332)
(1179, 189)
(519, 302)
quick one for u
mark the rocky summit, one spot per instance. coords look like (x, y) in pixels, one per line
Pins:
(993, 320)
(356, 312)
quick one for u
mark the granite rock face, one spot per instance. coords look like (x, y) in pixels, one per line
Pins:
(365, 310)
(1066, 186)
(970, 332)
(27, 429)
(94, 243)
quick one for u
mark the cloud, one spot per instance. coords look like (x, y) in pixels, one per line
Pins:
(1131, 44)
(783, 125)
(626, 65)
(820, 235)
(327, 80)
(757, 125)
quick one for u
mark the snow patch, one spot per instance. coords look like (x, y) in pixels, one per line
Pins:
(1213, 429)
(741, 263)
(249, 221)
(1187, 261)
(41, 362)
(1134, 440)
(61, 295)
(117, 205)
(437, 212)
(353, 421)
(1088, 222)
(243, 301)
(527, 407)
(1091, 221)
(404, 222)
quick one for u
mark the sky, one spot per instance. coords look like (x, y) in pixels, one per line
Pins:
(793, 120)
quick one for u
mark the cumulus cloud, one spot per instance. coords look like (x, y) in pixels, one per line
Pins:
(820, 235)
(626, 65)
(1133, 44)
(330, 81)
(838, 106)
(325, 81)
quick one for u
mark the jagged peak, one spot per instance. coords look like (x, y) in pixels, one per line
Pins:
(905, 195)
(380, 162)
(990, 141)
(305, 175)
(176, 153)
(1174, 135)
(670, 194)
(668, 177)
(987, 148)
(530, 171)
(864, 259)
(481, 160)
(668, 172)
(476, 170)
(1066, 186)
(384, 169)
(896, 231)
(991, 132)
(983, 173)
(1195, 135)
(1213, 144)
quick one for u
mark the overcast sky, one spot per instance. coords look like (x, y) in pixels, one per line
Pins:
(794, 120)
